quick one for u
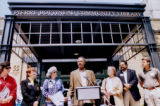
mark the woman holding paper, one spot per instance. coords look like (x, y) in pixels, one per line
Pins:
(30, 89)
(112, 88)
(8, 86)
(52, 86)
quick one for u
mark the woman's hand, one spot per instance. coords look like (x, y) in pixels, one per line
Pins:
(107, 95)
(9, 98)
(6, 100)
(110, 93)
(48, 98)
(35, 103)
(1, 101)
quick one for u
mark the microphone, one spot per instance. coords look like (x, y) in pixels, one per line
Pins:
(88, 80)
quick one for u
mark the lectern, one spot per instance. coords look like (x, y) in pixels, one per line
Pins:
(88, 93)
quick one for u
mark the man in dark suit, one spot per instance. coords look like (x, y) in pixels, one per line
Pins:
(130, 82)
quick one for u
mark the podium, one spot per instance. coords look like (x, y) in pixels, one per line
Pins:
(88, 92)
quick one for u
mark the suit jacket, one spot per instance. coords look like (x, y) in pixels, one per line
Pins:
(132, 80)
(30, 92)
(75, 81)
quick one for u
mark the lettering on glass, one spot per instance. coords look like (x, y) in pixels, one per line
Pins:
(74, 13)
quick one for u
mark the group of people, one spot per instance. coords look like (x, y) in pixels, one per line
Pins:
(120, 88)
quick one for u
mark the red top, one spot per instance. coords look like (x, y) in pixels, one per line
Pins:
(8, 85)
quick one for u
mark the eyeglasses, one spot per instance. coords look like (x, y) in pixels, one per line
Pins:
(7, 67)
(55, 72)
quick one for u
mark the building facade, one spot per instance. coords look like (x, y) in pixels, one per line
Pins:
(42, 34)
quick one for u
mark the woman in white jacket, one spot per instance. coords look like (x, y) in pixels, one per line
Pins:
(112, 87)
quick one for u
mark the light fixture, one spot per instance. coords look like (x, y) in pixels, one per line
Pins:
(78, 41)
(76, 54)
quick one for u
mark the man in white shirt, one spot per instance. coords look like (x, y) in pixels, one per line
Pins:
(83, 77)
(130, 82)
(79, 78)
(125, 76)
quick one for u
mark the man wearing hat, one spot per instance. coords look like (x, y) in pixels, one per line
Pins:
(8, 86)
(150, 81)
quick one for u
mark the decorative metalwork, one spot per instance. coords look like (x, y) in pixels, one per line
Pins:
(24, 53)
(80, 33)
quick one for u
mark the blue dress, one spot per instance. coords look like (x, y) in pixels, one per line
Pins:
(51, 87)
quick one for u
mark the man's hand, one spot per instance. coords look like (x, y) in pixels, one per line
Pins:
(159, 82)
(126, 89)
(35, 103)
(128, 86)
(141, 83)
(66, 99)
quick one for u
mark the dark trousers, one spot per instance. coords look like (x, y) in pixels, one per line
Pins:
(26, 104)
(88, 104)
(112, 100)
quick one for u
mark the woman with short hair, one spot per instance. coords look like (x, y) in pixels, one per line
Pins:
(30, 89)
(112, 87)
(52, 85)
(8, 86)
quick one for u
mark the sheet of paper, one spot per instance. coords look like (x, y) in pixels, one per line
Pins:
(88, 93)
(57, 99)
(4, 93)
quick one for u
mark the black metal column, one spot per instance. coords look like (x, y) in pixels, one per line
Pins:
(152, 47)
(7, 37)
(43, 77)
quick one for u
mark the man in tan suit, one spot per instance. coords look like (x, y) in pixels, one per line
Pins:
(78, 78)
